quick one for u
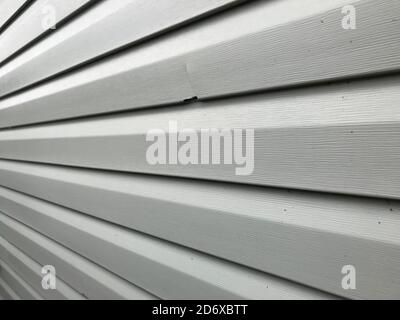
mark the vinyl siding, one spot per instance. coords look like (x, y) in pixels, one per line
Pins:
(30, 25)
(77, 192)
(10, 10)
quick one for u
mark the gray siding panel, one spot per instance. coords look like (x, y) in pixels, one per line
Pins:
(10, 8)
(6, 292)
(164, 269)
(23, 289)
(30, 270)
(32, 24)
(351, 129)
(79, 42)
(88, 278)
(185, 70)
(245, 225)
(313, 49)
(77, 191)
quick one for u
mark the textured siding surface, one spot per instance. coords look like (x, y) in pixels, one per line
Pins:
(9, 10)
(30, 25)
(78, 193)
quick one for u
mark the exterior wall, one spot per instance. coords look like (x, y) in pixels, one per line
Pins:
(77, 191)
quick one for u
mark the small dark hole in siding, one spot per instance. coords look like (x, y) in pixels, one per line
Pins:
(189, 100)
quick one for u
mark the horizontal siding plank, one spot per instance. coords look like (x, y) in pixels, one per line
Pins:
(30, 24)
(8, 9)
(267, 229)
(83, 275)
(23, 289)
(269, 54)
(6, 292)
(82, 96)
(313, 49)
(337, 138)
(81, 195)
(30, 271)
(94, 34)
(162, 268)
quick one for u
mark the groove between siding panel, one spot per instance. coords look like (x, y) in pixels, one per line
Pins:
(84, 276)
(271, 230)
(341, 138)
(269, 56)
(23, 289)
(164, 269)
(30, 271)
(30, 24)
(107, 26)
